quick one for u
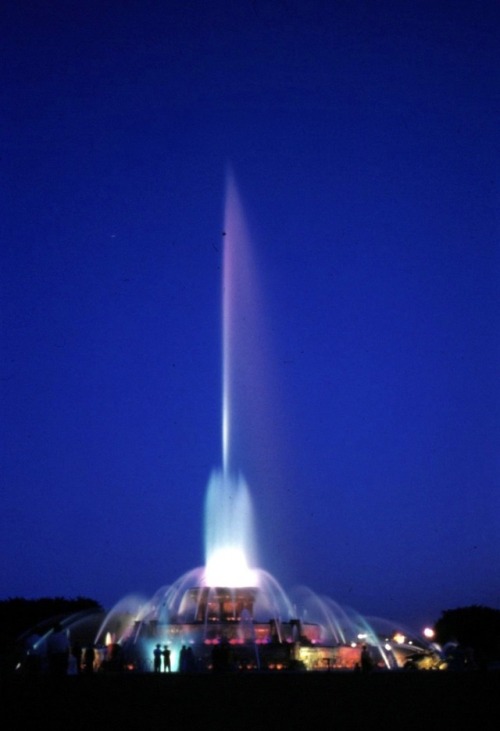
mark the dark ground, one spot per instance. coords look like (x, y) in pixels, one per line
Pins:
(405, 700)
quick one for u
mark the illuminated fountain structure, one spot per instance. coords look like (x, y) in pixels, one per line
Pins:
(224, 606)
(230, 613)
(243, 625)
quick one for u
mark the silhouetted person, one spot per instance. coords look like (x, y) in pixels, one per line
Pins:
(190, 660)
(182, 659)
(157, 655)
(76, 651)
(366, 661)
(220, 656)
(58, 649)
(88, 659)
(166, 659)
(115, 657)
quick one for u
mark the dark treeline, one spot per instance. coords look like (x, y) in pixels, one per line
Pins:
(474, 627)
(18, 615)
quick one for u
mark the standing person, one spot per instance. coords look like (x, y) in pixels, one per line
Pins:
(88, 659)
(166, 659)
(190, 660)
(59, 649)
(76, 651)
(366, 660)
(182, 659)
(157, 655)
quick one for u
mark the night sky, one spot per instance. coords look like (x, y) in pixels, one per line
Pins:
(363, 140)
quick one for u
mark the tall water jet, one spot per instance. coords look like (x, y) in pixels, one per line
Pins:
(238, 310)
(229, 528)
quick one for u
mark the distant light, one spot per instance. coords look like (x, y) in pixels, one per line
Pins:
(429, 633)
(388, 647)
(399, 638)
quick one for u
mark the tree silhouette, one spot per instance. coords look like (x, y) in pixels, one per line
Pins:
(18, 615)
(474, 627)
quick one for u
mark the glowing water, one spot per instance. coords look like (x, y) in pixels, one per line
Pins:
(229, 529)
(234, 237)
(229, 537)
(188, 609)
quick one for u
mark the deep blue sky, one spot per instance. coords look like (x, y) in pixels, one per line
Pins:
(363, 137)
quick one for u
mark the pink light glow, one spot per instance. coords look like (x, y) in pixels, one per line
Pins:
(238, 310)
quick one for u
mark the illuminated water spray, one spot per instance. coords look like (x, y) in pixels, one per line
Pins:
(229, 529)
(229, 599)
(239, 304)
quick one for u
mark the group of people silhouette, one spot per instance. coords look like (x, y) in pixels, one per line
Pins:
(55, 654)
(161, 659)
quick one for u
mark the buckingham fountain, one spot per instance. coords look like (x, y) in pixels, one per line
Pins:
(229, 613)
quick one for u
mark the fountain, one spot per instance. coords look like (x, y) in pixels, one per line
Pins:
(230, 612)
(230, 602)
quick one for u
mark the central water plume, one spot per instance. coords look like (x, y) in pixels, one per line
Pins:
(229, 529)
(229, 534)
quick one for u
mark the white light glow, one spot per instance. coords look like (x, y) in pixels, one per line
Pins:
(228, 567)
(229, 533)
